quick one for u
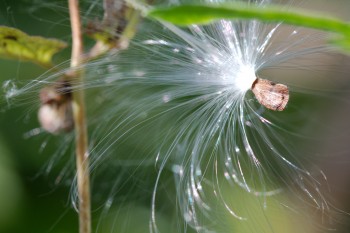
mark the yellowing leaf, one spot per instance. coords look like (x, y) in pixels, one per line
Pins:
(18, 45)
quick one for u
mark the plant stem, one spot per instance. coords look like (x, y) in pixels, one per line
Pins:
(81, 138)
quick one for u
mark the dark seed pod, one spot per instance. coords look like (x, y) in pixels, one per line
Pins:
(272, 95)
(55, 113)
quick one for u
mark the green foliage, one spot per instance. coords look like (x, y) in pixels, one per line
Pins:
(203, 14)
(18, 45)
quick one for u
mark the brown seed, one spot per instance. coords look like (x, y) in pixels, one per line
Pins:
(272, 95)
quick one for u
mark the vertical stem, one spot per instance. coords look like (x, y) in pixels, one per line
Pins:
(81, 139)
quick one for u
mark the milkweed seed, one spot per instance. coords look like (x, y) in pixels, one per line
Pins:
(272, 95)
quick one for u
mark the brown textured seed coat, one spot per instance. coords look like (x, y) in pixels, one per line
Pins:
(272, 95)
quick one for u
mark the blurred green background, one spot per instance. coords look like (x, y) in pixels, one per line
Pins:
(31, 201)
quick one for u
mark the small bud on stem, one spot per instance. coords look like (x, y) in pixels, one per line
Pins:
(55, 113)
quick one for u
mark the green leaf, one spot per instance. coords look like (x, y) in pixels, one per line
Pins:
(16, 44)
(203, 14)
(342, 42)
